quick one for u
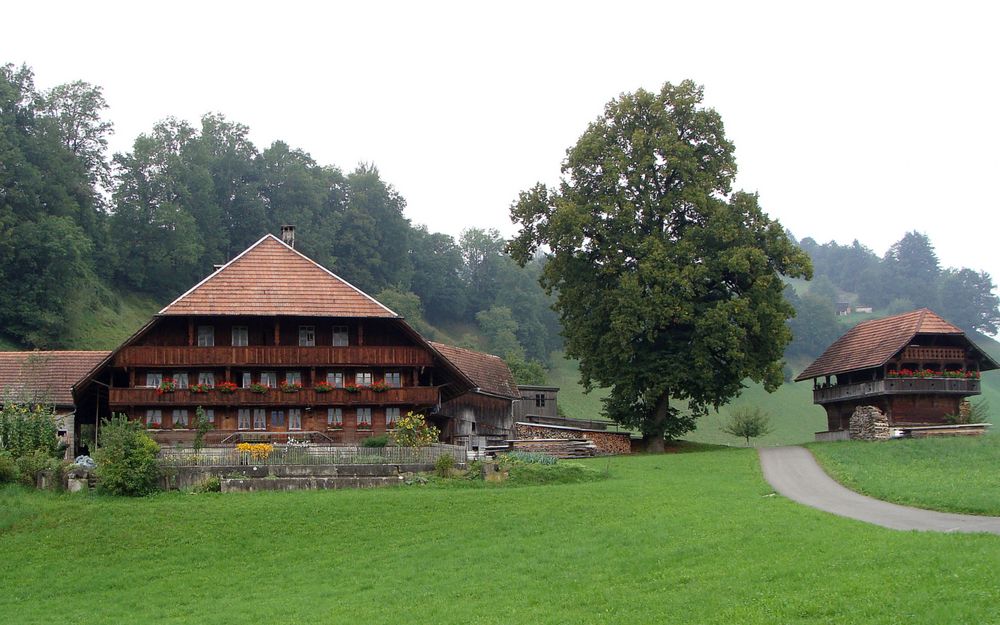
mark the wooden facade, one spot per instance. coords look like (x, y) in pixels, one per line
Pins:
(316, 358)
(916, 368)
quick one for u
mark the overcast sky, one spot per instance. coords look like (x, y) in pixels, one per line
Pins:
(851, 120)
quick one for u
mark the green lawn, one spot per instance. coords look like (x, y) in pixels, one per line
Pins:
(677, 538)
(956, 474)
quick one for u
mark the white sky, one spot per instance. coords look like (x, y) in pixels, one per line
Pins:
(852, 120)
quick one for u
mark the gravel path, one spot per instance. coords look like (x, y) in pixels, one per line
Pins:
(794, 473)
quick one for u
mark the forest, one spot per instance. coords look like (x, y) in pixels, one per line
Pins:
(80, 228)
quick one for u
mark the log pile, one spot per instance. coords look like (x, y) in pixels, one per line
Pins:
(604, 441)
(565, 448)
(869, 424)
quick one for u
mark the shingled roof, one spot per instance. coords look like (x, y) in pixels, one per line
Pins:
(488, 372)
(270, 278)
(45, 376)
(872, 343)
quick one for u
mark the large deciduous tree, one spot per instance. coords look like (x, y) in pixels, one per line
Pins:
(668, 284)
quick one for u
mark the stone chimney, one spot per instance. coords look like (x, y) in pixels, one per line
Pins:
(288, 235)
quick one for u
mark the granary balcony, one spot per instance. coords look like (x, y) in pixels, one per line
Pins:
(145, 396)
(896, 386)
(271, 356)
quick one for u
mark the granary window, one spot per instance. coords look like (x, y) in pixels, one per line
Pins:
(277, 418)
(241, 338)
(540, 400)
(391, 417)
(335, 379)
(153, 379)
(259, 419)
(210, 415)
(181, 380)
(340, 336)
(307, 336)
(335, 417)
(364, 417)
(206, 336)
(243, 419)
(180, 417)
(154, 417)
(363, 378)
(246, 379)
(206, 377)
(293, 377)
(268, 379)
(393, 379)
(295, 419)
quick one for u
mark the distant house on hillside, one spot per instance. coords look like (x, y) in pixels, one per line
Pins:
(863, 309)
(47, 378)
(915, 367)
(842, 308)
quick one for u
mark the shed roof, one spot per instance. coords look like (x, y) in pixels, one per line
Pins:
(271, 278)
(45, 376)
(489, 373)
(872, 343)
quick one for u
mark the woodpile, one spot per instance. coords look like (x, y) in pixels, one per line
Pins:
(565, 448)
(604, 442)
(868, 423)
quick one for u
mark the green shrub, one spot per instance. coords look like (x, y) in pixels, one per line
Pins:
(8, 468)
(528, 457)
(33, 463)
(747, 422)
(444, 464)
(26, 428)
(528, 474)
(126, 459)
(211, 484)
(475, 470)
(376, 441)
(202, 427)
(413, 430)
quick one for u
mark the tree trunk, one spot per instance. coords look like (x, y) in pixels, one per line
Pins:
(652, 434)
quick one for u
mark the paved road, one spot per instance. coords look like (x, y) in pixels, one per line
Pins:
(794, 473)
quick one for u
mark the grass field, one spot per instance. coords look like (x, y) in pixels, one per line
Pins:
(957, 474)
(677, 538)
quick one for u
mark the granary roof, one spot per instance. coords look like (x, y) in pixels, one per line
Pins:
(488, 372)
(45, 376)
(872, 343)
(272, 278)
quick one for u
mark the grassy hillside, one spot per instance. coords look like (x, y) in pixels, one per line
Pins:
(678, 538)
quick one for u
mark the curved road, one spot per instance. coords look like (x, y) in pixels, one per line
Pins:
(794, 473)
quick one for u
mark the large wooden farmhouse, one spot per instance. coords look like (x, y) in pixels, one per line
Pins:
(272, 345)
(915, 367)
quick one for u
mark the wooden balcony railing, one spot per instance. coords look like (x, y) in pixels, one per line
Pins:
(896, 386)
(933, 354)
(271, 356)
(408, 395)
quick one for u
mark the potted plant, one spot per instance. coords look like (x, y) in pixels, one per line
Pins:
(352, 388)
(322, 387)
(379, 387)
(226, 387)
(201, 388)
(260, 389)
(291, 387)
(166, 386)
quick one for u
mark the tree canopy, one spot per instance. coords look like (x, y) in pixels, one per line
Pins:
(668, 285)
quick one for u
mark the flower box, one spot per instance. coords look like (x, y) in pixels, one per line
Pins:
(166, 386)
(260, 389)
(379, 387)
(226, 387)
(323, 387)
(293, 387)
(353, 388)
(201, 388)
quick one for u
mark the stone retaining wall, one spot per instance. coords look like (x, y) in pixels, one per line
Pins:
(172, 478)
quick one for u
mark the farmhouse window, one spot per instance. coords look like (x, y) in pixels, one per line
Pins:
(293, 377)
(180, 417)
(340, 336)
(154, 417)
(210, 415)
(391, 417)
(363, 378)
(246, 379)
(364, 417)
(268, 379)
(335, 417)
(153, 379)
(181, 380)
(307, 336)
(259, 419)
(241, 338)
(540, 400)
(277, 418)
(243, 419)
(206, 336)
(393, 379)
(335, 379)
(206, 377)
(295, 419)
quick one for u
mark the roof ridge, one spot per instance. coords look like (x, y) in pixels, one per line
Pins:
(216, 272)
(466, 349)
